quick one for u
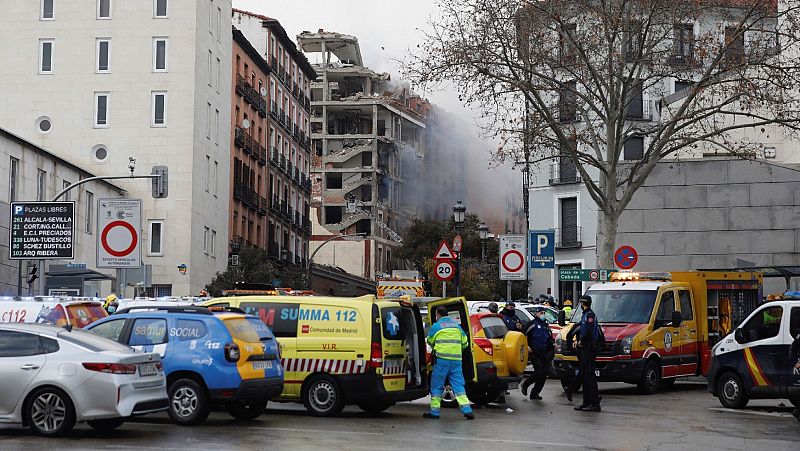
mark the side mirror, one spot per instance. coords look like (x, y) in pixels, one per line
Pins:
(562, 318)
(738, 335)
(677, 319)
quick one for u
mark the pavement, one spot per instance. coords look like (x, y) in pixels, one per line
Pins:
(683, 417)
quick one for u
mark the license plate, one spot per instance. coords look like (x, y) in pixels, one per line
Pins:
(148, 369)
(262, 365)
(513, 385)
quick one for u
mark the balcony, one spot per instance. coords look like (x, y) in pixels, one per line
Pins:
(307, 104)
(241, 85)
(568, 238)
(275, 206)
(289, 168)
(263, 205)
(273, 250)
(275, 159)
(247, 195)
(306, 225)
(273, 64)
(297, 219)
(273, 109)
(282, 117)
(262, 155)
(281, 73)
(564, 172)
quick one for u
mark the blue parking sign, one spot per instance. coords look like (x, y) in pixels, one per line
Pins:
(542, 249)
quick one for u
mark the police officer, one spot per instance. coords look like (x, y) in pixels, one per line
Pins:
(588, 337)
(540, 341)
(447, 340)
(510, 317)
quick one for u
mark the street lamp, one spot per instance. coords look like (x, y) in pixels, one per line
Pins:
(459, 212)
(360, 235)
(483, 231)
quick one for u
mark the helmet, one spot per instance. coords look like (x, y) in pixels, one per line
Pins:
(567, 303)
(109, 299)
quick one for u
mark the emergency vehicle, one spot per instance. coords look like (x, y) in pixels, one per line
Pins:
(760, 359)
(57, 310)
(660, 326)
(396, 286)
(344, 351)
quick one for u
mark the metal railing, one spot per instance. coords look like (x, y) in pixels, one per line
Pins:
(568, 238)
(564, 172)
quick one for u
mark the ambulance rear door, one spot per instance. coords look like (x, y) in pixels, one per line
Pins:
(458, 310)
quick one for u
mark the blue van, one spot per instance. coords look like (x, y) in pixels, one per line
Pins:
(225, 358)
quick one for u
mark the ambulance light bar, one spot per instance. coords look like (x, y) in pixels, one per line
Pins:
(635, 276)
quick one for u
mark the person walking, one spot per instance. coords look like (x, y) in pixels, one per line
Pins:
(588, 338)
(510, 317)
(567, 309)
(447, 340)
(542, 346)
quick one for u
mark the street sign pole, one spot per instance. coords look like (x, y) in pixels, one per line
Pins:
(508, 290)
(444, 289)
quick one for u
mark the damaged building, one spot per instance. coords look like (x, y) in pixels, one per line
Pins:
(368, 137)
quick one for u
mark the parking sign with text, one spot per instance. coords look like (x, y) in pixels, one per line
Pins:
(42, 230)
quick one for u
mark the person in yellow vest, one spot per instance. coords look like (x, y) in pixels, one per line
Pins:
(567, 309)
(447, 340)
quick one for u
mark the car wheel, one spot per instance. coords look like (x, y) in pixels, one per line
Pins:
(651, 378)
(188, 402)
(375, 406)
(730, 391)
(49, 412)
(323, 397)
(106, 425)
(482, 395)
(246, 412)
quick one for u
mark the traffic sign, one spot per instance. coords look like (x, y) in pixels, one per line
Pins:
(626, 257)
(42, 230)
(445, 270)
(512, 258)
(119, 224)
(444, 252)
(542, 249)
(588, 275)
(457, 243)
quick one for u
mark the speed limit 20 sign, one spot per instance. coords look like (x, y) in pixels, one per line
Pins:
(445, 270)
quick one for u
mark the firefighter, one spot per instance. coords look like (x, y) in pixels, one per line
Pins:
(588, 338)
(447, 340)
(111, 303)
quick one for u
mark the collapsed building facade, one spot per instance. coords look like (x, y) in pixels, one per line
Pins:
(368, 138)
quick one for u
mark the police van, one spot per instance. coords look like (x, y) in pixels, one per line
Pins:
(57, 310)
(338, 351)
(760, 359)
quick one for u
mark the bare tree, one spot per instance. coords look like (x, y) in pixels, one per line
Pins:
(677, 77)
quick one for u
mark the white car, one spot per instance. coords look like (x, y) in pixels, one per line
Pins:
(54, 377)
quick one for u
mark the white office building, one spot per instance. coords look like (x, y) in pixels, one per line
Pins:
(98, 81)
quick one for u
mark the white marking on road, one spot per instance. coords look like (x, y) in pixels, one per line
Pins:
(315, 431)
(516, 442)
(753, 412)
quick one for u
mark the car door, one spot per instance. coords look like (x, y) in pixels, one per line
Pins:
(458, 310)
(689, 348)
(791, 366)
(149, 335)
(665, 337)
(21, 359)
(113, 329)
(762, 344)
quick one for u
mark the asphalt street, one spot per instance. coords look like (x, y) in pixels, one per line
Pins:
(684, 417)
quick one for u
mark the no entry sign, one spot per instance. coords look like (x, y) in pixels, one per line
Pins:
(513, 265)
(119, 224)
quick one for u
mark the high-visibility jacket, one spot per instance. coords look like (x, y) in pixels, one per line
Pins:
(447, 339)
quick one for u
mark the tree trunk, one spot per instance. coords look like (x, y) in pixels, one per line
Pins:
(606, 239)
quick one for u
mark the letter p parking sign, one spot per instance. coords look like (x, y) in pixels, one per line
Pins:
(542, 249)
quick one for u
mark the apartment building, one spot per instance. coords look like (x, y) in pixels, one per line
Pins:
(366, 134)
(271, 160)
(98, 81)
(35, 174)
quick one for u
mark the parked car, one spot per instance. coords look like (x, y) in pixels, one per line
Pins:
(500, 357)
(55, 377)
(58, 311)
(224, 358)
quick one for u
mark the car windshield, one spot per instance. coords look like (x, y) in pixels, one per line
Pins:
(243, 329)
(93, 342)
(620, 306)
(494, 327)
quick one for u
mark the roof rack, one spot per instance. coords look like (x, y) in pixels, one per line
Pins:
(167, 308)
(225, 309)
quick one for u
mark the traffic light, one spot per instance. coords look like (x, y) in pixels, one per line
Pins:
(160, 184)
(32, 274)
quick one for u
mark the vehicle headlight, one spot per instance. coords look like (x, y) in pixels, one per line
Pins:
(558, 344)
(626, 344)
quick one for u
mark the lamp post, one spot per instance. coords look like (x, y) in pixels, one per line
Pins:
(311, 258)
(483, 231)
(459, 212)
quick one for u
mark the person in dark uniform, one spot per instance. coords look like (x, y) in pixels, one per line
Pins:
(588, 338)
(540, 342)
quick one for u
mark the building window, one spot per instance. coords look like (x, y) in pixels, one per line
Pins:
(567, 51)
(41, 185)
(219, 23)
(210, 68)
(216, 127)
(103, 9)
(634, 148)
(734, 47)
(681, 85)
(219, 73)
(159, 112)
(100, 109)
(160, 8)
(68, 195)
(103, 55)
(46, 56)
(12, 180)
(635, 109)
(47, 10)
(208, 172)
(99, 153)
(208, 121)
(159, 54)
(89, 211)
(205, 240)
(213, 245)
(211, 17)
(156, 234)
(216, 174)
(569, 235)
(44, 124)
(568, 102)
(683, 41)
